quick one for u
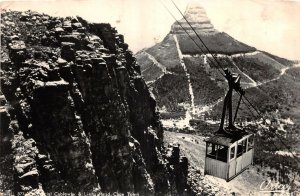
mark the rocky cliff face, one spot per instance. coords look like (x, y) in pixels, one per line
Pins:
(76, 115)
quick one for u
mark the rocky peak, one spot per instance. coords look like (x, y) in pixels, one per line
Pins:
(197, 17)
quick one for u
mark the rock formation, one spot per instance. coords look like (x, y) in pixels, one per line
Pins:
(76, 115)
(197, 17)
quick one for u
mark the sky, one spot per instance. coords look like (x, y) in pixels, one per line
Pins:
(269, 25)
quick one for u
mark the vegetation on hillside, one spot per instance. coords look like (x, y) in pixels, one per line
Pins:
(171, 90)
(220, 43)
(206, 89)
(256, 68)
(149, 70)
(165, 52)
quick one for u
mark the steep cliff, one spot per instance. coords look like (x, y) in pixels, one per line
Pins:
(76, 115)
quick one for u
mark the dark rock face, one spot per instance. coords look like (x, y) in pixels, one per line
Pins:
(76, 115)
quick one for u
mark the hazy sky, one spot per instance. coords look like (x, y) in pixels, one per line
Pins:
(270, 25)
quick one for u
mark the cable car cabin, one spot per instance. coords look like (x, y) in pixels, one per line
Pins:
(230, 151)
(227, 155)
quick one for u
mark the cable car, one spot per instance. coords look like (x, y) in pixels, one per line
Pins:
(230, 151)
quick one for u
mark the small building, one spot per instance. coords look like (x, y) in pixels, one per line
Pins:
(228, 154)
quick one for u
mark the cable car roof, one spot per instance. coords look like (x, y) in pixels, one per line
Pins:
(228, 136)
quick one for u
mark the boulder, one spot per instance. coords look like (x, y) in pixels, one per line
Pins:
(67, 51)
(24, 17)
(58, 30)
(67, 26)
(81, 30)
(61, 62)
(76, 25)
(53, 23)
(74, 38)
(17, 51)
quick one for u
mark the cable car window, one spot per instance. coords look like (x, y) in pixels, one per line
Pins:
(211, 150)
(250, 142)
(241, 147)
(218, 152)
(232, 152)
(221, 153)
